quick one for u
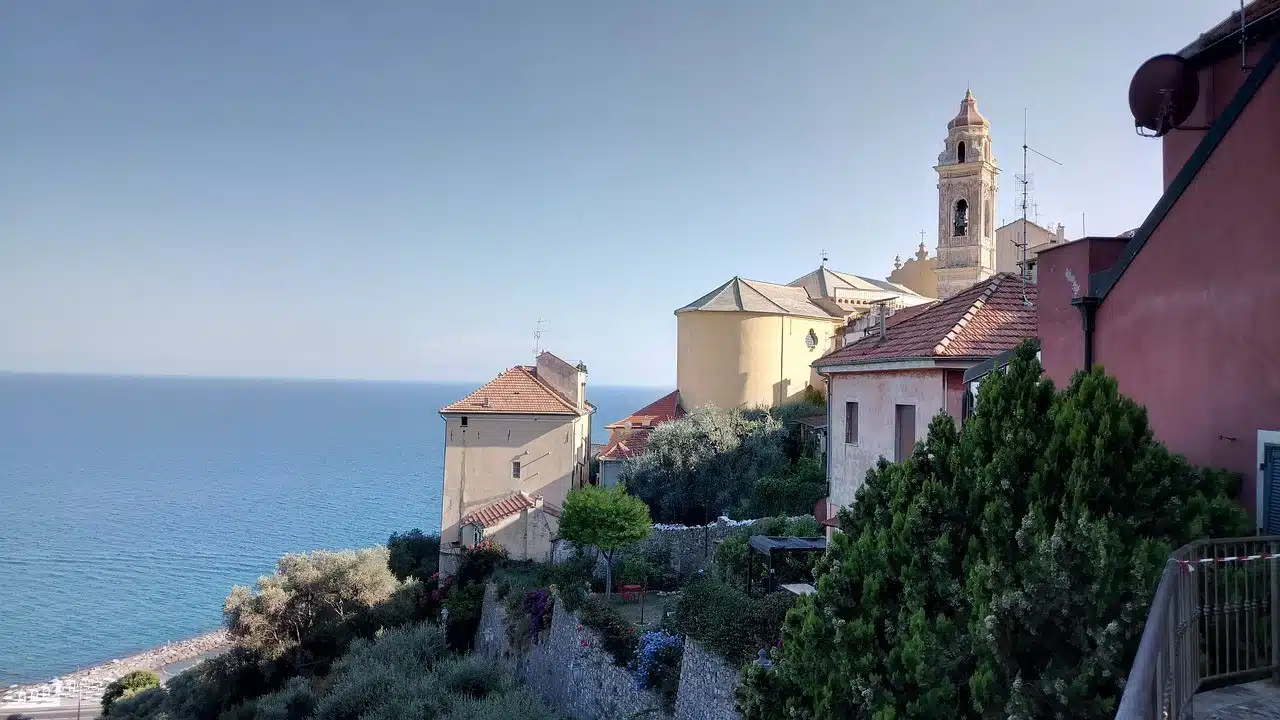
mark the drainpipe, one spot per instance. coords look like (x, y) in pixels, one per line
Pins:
(1088, 306)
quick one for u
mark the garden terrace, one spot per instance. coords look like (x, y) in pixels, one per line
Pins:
(772, 545)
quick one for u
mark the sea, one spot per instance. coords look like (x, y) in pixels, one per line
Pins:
(129, 506)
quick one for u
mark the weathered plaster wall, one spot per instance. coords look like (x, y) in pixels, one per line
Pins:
(552, 451)
(876, 394)
(707, 683)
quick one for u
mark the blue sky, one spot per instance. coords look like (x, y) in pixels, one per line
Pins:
(400, 190)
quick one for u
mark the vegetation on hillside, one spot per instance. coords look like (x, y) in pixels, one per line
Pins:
(606, 519)
(127, 686)
(1003, 570)
(713, 462)
(337, 635)
(404, 672)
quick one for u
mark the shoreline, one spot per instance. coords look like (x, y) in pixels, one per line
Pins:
(89, 684)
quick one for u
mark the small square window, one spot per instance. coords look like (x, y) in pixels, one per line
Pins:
(464, 421)
(515, 470)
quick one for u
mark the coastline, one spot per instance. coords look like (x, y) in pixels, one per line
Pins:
(88, 684)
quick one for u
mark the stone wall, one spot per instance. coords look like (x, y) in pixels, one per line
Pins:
(566, 667)
(706, 686)
(688, 549)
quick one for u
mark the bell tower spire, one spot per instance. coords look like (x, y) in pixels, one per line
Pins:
(967, 173)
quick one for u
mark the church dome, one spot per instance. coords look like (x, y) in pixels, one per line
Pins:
(969, 115)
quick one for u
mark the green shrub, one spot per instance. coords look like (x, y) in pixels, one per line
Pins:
(723, 619)
(473, 676)
(465, 604)
(635, 569)
(413, 554)
(617, 636)
(127, 686)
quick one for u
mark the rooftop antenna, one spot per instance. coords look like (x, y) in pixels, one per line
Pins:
(1027, 182)
(537, 338)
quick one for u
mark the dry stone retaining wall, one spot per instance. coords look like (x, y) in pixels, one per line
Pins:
(566, 667)
(707, 683)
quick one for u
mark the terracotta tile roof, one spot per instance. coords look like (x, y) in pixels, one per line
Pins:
(518, 390)
(505, 508)
(665, 408)
(626, 447)
(982, 321)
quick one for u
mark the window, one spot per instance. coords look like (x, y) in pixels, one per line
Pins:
(464, 421)
(470, 535)
(962, 217)
(960, 152)
(515, 470)
(851, 422)
(904, 431)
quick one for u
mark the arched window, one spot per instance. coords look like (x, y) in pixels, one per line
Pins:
(962, 217)
(960, 152)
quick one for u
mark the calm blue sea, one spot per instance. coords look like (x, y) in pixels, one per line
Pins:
(130, 506)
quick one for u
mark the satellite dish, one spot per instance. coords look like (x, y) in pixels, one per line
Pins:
(1162, 95)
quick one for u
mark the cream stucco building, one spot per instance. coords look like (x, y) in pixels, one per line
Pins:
(967, 188)
(514, 449)
(1012, 238)
(750, 343)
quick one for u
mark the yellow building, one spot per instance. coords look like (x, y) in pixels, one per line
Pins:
(514, 449)
(750, 343)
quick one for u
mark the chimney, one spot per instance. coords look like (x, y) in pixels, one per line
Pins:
(1062, 233)
(568, 380)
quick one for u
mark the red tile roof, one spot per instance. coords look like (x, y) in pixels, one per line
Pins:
(982, 321)
(491, 514)
(661, 410)
(621, 448)
(518, 390)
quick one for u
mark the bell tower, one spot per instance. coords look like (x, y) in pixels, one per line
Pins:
(966, 202)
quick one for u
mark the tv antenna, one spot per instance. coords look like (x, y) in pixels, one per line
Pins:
(1027, 182)
(537, 338)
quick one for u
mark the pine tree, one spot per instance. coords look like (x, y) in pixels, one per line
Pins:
(1003, 571)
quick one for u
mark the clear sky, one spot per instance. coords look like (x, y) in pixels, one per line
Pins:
(401, 189)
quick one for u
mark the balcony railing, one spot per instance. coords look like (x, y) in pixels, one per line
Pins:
(1214, 620)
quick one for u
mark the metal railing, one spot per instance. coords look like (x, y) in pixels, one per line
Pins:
(1214, 619)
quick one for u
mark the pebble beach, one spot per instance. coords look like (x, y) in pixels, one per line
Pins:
(89, 684)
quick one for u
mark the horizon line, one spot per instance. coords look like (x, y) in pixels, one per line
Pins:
(272, 378)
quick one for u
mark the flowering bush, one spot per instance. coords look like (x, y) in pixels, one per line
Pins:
(657, 664)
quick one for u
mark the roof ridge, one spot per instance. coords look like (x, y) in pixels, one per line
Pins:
(968, 315)
(749, 283)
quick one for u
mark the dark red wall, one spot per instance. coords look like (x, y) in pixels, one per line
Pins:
(1192, 328)
(1218, 84)
(1063, 275)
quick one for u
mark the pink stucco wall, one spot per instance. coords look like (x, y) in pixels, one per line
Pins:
(1192, 329)
(1063, 275)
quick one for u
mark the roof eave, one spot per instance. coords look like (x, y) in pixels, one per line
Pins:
(919, 362)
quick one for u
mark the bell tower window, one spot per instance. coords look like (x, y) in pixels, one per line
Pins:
(960, 152)
(962, 217)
